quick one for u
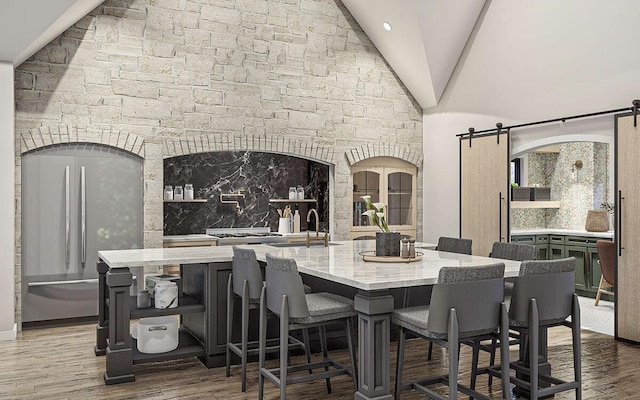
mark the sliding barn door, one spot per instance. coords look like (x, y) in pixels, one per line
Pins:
(627, 165)
(484, 190)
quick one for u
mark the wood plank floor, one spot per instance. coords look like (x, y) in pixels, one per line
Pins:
(58, 363)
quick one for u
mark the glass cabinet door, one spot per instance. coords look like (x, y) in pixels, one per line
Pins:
(400, 195)
(364, 183)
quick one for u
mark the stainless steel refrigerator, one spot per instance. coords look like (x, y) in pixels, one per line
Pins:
(77, 199)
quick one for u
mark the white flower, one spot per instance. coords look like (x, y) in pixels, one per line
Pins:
(379, 206)
(369, 213)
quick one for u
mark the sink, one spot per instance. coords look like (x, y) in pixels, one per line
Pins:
(316, 243)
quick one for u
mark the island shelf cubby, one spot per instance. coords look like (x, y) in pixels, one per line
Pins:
(188, 346)
(186, 305)
(188, 343)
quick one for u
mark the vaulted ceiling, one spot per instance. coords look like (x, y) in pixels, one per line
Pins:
(425, 42)
(27, 25)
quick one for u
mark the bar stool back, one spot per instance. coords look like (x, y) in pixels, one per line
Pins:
(543, 297)
(466, 303)
(246, 282)
(284, 296)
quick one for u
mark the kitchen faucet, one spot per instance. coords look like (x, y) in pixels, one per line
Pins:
(309, 238)
(224, 198)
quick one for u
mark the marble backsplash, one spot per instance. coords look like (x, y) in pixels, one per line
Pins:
(261, 176)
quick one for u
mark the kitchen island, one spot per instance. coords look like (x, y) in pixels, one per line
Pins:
(205, 270)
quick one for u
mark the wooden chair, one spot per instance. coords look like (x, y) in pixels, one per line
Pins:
(606, 256)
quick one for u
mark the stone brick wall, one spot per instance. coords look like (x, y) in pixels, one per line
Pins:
(175, 69)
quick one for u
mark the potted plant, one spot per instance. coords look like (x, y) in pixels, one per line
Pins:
(387, 242)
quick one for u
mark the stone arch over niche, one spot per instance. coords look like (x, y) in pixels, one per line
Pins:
(249, 142)
(366, 151)
(48, 136)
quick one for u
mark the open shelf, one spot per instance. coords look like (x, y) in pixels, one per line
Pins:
(188, 346)
(186, 305)
(535, 204)
(186, 201)
(293, 201)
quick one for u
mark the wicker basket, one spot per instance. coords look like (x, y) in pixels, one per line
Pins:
(597, 221)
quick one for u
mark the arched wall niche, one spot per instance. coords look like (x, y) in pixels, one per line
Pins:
(261, 143)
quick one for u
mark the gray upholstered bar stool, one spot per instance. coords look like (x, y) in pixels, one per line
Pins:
(283, 295)
(543, 297)
(454, 245)
(450, 245)
(505, 251)
(513, 251)
(246, 283)
(466, 303)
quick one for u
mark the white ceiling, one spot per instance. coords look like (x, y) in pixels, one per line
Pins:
(425, 42)
(28, 25)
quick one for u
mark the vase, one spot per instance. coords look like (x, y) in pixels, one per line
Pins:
(597, 221)
(388, 244)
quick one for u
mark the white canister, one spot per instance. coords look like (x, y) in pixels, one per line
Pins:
(166, 295)
(188, 191)
(284, 225)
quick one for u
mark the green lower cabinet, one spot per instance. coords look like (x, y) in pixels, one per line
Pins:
(542, 252)
(554, 247)
(556, 251)
(581, 255)
(523, 239)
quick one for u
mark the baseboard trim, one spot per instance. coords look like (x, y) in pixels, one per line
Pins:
(9, 335)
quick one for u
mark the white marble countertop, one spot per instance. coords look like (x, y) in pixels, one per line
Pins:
(565, 232)
(340, 262)
(197, 237)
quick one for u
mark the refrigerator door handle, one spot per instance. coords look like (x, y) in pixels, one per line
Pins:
(56, 283)
(67, 223)
(73, 281)
(83, 214)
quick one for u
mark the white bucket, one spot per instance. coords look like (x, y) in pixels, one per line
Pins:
(157, 334)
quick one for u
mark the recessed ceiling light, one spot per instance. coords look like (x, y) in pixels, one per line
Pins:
(387, 26)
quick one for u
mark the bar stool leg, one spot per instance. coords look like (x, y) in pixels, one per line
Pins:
(325, 355)
(307, 348)
(577, 346)
(284, 346)
(245, 332)
(454, 354)
(262, 343)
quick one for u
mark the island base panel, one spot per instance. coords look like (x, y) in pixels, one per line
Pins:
(374, 323)
(102, 333)
(119, 367)
(102, 328)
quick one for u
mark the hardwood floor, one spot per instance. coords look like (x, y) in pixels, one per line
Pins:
(58, 363)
